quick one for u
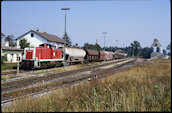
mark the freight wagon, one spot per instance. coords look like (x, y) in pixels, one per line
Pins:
(111, 55)
(91, 55)
(104, 55)
(119, 54)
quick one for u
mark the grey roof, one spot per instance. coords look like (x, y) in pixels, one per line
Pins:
(11, 48)
(156, 43)
(3, 47)
(47, 36)
(2, 34)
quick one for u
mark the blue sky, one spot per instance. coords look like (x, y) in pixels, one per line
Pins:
(123, 20)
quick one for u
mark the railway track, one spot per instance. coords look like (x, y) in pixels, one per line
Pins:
(17, 83)
(13, 72)
(31, 86)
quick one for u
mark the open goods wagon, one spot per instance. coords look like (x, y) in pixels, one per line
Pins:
(104, 55)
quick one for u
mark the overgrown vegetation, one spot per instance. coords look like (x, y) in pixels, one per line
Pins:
(142, 88)
(6, 66)
(5, 77)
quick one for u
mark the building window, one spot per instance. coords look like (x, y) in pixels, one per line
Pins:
(17, 57)
(32, 34)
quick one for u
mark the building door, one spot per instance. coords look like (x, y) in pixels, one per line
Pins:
(12, 57)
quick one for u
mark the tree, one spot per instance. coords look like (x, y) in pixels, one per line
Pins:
(164, 51)
(145, 52)
(3, 59)
(10, 39)
(68, 40)
(91, 46)
(137, 48)
(98, 48)
(23, 43)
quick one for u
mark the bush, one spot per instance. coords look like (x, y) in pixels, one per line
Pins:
(3, 59)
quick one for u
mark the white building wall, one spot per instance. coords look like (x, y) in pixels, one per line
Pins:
(34, 41)
(8, 57)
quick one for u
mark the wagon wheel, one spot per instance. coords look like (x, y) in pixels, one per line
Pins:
(66, 63)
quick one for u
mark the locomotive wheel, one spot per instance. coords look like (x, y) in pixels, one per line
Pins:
(44, 65)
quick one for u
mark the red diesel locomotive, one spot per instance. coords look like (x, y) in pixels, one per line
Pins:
(41, 57)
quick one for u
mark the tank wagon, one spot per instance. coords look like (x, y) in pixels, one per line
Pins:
(91, 55)
(41, 57)
(74, 55)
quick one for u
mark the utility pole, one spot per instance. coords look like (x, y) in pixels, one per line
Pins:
(18, 58)
(64, 61)
(104, 43)
(117, 43)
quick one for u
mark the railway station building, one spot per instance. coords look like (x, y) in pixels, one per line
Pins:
(35, 38)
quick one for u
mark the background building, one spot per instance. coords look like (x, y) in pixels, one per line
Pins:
(11, 53)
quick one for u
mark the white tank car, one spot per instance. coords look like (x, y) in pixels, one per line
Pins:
(74, 55)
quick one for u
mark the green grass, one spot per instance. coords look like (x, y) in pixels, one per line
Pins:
(4, 78)
(141, 88)
(7, 66)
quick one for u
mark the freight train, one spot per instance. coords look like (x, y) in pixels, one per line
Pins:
(47, 55)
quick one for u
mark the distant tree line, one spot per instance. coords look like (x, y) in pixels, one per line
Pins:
(91, 46)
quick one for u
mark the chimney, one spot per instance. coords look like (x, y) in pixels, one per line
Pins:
(37, 29)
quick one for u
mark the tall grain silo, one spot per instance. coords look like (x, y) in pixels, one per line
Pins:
(161, 50)
(156, 46)
(156, 49)
(153, 49)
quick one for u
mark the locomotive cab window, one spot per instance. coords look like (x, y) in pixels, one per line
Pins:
(32, 34)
